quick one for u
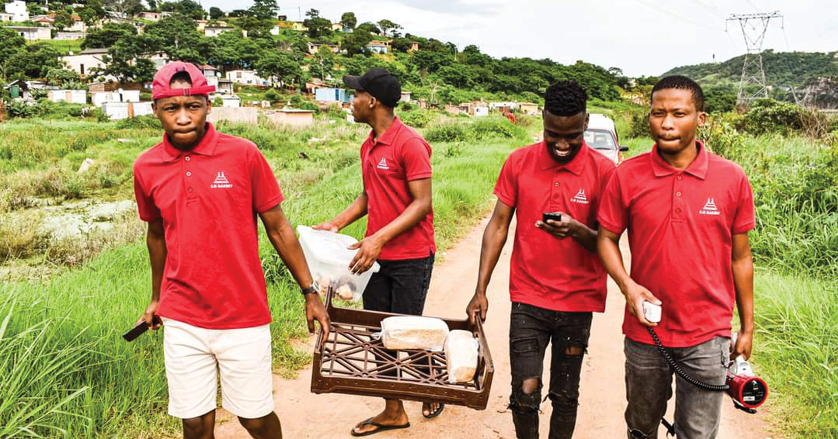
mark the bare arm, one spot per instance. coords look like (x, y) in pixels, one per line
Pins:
(284, 240)
(370, 247)
(494, 238)
(743, 281)
(354, 212)
(608, 248)
(156, 243)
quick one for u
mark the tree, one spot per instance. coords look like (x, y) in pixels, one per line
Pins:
(215, 13)
(177, 36)
(108, 35)
(356, 42)
(33, 62)
(387, 25)
(189, 8)
(124, 8)
(279, 66)
(323, 62)
(62, 77)
(264, 9)
(125, 62)
(369, 27)
(348, 20)
(152, 4)
(10, 44)
(62, 20)
(317, 26)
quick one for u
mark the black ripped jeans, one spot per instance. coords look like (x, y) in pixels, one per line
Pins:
(531, 329)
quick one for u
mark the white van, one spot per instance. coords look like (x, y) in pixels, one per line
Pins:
(601, 136)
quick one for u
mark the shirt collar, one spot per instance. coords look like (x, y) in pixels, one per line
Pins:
(205, 147)
(698, 168)
(575, 165)
(389, 136)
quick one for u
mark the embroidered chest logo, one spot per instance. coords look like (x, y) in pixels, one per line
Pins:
(383, 164)
(221, 182)
(710, 208)
(580, 197)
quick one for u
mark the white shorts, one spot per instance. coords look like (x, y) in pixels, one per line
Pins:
(195, 355)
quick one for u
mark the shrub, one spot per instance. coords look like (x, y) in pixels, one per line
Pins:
(639, 126)
(497, 127)
(272, 96)
(447, 132)
(140, 122)
(416, 118)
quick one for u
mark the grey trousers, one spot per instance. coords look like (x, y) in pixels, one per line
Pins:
(649, 387)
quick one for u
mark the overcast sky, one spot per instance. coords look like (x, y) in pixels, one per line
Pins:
(642, 37)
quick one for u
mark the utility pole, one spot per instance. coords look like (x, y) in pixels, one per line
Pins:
(754, 28)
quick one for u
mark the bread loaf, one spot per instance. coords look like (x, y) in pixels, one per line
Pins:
(461, 350)
(413, 332)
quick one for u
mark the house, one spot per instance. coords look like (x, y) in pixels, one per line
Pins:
(86, 60)
(159, 59)
(453, 109)
(225, 86)
(214, 31)
(211, 73)
(17, 9)
(43, 20)
(66, 36)
(331, 94)
(287, 116)
(481, 110)
(6, 17)
(414, 46)
(32, 33)
(380, 47)
(528, 108)
(102, 92)
(228, 100)
(26, 89)
(405, 97)
(313, 47)
(123, 110)
(77, 26)
(248, 77)
(69, 96)
(503, 107)
(151, 16)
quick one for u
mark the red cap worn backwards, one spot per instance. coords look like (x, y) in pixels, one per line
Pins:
(161, 88)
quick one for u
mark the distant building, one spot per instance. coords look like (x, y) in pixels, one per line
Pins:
(102, 92)
(380, 47)
(17, 9)
(215, 31)
(453, 109)
(313, 47)
(292, 117)
(228, 100)
(248, 77)
(331, 94)
(69, 96)
(405, 97)
(529, 108)
(4, 17)
(414, 46)
(86, 60)
(124, 110)
(225, 86)
(481, 110)
(64, 36)
(36, 33)
(151, 16)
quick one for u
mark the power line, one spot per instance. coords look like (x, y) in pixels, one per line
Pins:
(659, 8)
(708, 8)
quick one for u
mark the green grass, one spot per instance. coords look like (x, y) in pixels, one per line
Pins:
(64, 47)
(66, 371)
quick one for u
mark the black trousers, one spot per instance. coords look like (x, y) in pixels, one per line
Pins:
(531, 329)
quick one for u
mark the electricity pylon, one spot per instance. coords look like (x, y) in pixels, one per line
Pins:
(754, 28)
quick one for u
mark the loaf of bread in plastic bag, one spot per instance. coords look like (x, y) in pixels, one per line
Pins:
(413, 332)
(461, 349)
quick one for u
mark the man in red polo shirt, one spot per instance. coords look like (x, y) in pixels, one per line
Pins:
(688, 213)
(200, 192)
(556, 281)
(396, 167)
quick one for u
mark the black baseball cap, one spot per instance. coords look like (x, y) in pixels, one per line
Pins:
(379, 83)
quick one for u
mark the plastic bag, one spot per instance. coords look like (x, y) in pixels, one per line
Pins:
(328, 258)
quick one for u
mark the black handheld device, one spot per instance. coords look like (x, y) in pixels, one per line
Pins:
(555, 216)
(139, 329)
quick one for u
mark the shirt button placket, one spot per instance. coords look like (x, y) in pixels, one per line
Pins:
(678, 199)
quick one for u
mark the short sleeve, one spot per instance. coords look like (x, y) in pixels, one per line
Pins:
(606, 172)
(506, 189)
(744, 219)
(145, 202)
(613, 209)
(416, 159)
(263, 184)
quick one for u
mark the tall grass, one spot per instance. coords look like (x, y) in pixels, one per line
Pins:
(65, 369)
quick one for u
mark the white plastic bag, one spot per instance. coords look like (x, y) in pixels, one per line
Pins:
(414, 332)
(328, 258)
(461, 351)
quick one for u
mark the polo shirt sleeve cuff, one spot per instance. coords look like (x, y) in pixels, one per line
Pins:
(266, 206)
(610, 227)
(504, 199)
(419, 176)
(744, 228)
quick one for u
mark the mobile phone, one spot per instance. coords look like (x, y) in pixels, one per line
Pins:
(555, 216)
(139, 329)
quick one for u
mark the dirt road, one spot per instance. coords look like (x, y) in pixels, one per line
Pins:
(305, 415)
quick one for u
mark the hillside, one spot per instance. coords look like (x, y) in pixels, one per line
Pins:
(782, 69)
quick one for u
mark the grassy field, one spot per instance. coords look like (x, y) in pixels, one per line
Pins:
(66, 371)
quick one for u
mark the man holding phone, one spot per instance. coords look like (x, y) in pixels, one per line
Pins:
(556, 281)
(200, 192)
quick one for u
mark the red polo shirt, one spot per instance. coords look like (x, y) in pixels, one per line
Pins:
(548, 272)
(680, 228)
(208, 199)
(399, 156)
